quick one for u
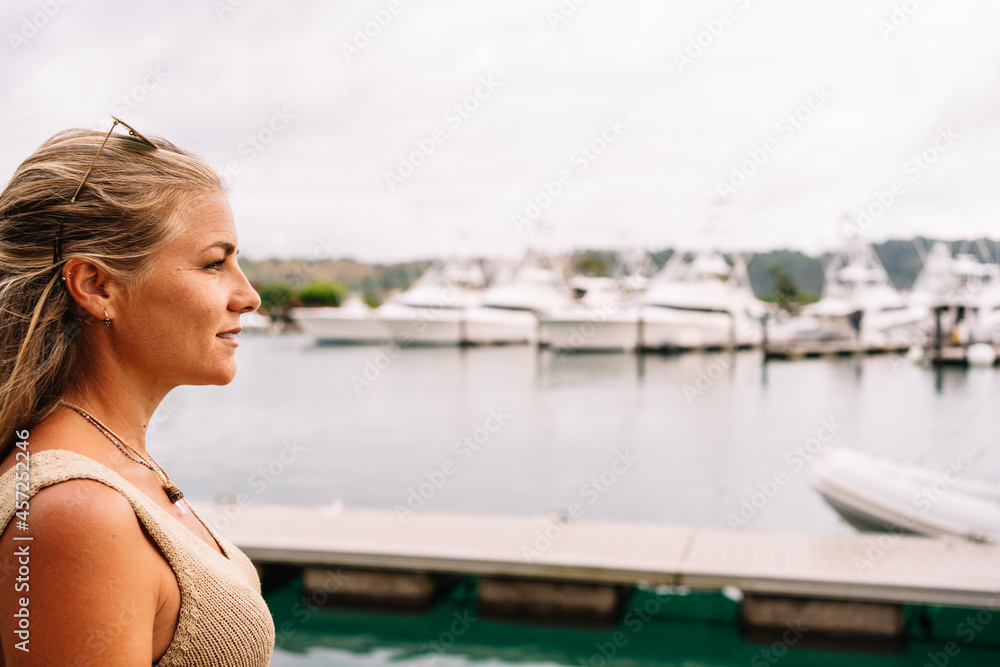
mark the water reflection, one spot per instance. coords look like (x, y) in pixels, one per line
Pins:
(706, 428)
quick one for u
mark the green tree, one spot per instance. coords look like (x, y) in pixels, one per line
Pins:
(786, 294)
(323, 293)
(591, 263)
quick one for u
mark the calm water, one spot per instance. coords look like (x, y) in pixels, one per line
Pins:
(694, 435)
(293, 428)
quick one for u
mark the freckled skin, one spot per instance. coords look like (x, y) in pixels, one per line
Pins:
(169, 327)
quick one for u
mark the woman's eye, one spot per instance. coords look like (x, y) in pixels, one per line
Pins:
(216, 264)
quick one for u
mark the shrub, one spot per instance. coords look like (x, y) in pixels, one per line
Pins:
(323, 293)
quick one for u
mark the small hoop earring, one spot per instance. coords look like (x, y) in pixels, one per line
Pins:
(107, 321)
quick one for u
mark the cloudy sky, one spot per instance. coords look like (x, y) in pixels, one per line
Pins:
(390, 130)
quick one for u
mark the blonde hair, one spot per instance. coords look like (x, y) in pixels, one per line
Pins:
(127, 210)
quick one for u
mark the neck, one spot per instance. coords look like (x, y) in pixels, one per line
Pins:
(123, 405)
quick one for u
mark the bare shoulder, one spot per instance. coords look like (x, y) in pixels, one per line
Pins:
(79, 519)
(78, 509)
(85, 576)
(73, 500)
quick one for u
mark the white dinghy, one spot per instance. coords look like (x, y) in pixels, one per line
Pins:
(878, 495)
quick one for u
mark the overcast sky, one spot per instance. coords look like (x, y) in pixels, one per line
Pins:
(318, 123)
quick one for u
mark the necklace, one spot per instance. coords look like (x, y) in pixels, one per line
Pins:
(176, 495)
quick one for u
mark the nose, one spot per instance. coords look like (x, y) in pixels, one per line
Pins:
(244, 298)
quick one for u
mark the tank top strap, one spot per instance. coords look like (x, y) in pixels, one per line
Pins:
(52, 466)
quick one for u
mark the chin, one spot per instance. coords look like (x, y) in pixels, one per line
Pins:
(221, 375)
(225, 378)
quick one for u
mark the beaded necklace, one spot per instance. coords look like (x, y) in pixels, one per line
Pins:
(175, 494)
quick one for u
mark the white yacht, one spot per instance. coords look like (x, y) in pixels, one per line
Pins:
(433, 310)
(508, 311)
(352, 323)
(859, 303)
(700, 300)
(963, 292)
(604, 316)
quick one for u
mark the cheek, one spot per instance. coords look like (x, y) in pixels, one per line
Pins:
(174, 316)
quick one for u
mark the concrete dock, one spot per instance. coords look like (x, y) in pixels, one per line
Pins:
(872, 568)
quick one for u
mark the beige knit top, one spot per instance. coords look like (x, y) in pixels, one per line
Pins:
(223, 620)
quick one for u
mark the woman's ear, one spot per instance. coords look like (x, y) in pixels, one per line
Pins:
(91, 286)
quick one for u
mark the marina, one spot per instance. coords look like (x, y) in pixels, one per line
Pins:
(700, 300)
(518, 334)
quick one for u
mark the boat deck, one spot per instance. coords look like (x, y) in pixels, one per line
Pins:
(869, 567)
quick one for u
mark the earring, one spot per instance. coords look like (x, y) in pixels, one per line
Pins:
(107, 321)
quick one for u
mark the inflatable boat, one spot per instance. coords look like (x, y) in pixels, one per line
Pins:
(878, 495)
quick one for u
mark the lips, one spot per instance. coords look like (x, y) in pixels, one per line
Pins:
(229, 335)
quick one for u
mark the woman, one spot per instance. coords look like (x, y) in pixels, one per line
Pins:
(118, 282)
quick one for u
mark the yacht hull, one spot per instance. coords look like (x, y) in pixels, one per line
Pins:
(591, 331)
(333, 326)
(497, 326)
(423, 326)
(667, 328)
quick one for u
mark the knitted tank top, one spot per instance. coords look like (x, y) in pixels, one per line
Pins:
(223, 620)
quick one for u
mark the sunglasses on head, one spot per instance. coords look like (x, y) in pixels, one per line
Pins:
(135, 134)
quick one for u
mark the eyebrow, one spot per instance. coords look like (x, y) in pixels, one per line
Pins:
(226, 246)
